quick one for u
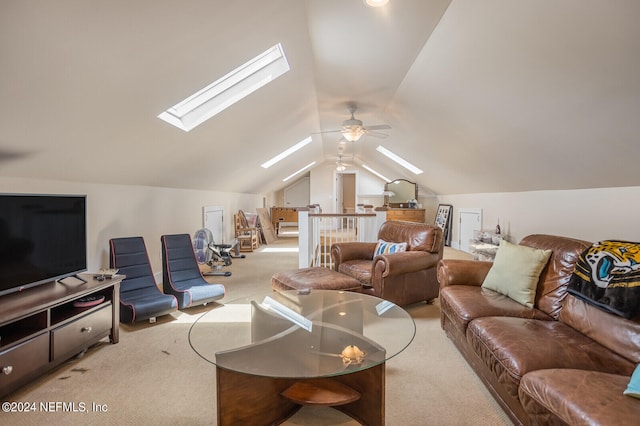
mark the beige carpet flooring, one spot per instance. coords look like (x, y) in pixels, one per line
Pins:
(154, 377)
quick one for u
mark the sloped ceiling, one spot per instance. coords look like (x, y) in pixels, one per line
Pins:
(489, 96)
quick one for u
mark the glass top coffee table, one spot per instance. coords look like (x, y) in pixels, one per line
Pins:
(277, 351)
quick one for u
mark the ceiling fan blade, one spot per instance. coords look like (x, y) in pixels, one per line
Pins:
(327, 131)
(377, 134)
(377, 127)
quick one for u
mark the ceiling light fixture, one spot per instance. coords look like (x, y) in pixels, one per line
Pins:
(341, 168)
(352, 129)
(364, 166)
(228, 90)
(376, 3)
(352, 133)
(284, 154)
(299, 171)
(404, 163)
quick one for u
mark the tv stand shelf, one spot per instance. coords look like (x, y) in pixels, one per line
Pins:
(40, 327)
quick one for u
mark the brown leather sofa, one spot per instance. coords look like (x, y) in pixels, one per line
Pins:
(560, 362)
(403, 278)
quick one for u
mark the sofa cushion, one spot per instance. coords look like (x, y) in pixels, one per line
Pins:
(554, 279)
(613, 332)
(359, 269)
(516, 271)
(463, 303)
(512, 347)
(316, 277)
(578, 397)
(386, 247)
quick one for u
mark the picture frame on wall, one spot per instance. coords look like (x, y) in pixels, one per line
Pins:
(443, 220)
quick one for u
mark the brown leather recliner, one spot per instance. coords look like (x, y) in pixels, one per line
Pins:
(403, 278)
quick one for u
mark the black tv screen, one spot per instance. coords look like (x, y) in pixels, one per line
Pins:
(42, 239)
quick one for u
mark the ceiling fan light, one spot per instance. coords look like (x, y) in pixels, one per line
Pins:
(353, 133)
(341, 168)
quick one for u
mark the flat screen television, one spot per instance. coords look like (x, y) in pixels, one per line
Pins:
(43, 238)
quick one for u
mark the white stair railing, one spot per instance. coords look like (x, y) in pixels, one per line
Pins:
(318, 231)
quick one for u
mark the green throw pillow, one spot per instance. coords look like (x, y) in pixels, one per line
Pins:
(515, 272)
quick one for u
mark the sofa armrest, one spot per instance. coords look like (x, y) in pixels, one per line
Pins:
(386, 265)
(462, 272)
(342, 252)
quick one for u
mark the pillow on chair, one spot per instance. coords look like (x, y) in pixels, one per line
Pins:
(385, 247)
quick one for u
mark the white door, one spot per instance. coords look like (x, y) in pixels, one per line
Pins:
(298, 194)
(213, 219)
(348, 192)
(470, 220)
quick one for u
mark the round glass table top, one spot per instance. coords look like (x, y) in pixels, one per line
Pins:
(319, 333)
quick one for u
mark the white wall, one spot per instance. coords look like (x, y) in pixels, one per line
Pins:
(588, 214)
(370, 188)
(321, 188)
(126, 211)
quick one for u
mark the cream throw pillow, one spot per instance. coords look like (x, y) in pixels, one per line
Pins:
(515, 272)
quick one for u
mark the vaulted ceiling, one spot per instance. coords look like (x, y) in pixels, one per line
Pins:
(484, 96)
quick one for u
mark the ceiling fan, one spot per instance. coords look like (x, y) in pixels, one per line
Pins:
(341, 166)
(353, 129)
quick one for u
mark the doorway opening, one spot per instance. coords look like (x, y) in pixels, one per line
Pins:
(346, 193)
(470, 220)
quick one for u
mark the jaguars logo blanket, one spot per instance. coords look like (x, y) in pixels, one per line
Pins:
(607, 275)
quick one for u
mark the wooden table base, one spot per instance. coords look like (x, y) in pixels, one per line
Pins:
(258, 400)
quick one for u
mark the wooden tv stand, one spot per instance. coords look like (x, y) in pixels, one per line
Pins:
(40, 327)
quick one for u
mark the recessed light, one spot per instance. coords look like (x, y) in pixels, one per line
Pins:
(404, 163)
(299, 171)
(364, 166)
(284, 154)
(376, 3)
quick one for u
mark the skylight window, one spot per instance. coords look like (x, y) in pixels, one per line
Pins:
(376, 173)
(228, 90)
(284, 154)
(404, 163)
(299, 171)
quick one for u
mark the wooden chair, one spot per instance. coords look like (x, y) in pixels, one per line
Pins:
(246, 235)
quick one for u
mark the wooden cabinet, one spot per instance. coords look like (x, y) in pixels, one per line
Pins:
(23, 361)
(42, 327)
(408, 215)
(283, 215)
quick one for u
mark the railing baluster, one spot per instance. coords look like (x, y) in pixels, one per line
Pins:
(326, 229)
